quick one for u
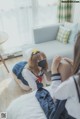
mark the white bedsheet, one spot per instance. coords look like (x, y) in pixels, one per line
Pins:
(26, 107)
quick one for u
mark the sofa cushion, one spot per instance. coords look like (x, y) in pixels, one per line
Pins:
(74, 30)
(63, 34)
(45, 34)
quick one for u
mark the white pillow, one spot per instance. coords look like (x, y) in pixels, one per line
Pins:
(74, 30)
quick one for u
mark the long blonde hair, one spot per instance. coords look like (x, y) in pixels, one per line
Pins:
(76, 63)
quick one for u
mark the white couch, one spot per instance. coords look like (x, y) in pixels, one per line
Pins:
(45, 40)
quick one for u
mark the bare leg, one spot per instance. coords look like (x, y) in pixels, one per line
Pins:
(65, 69)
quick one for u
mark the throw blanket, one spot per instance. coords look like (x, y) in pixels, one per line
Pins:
(52, 110)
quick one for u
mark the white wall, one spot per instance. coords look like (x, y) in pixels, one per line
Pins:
(46, 16)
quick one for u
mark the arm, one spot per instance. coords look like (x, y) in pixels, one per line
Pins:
(65, 90)
(56, 78)
(68, 60)
(56, 81)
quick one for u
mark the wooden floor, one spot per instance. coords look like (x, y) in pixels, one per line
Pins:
(10, 63)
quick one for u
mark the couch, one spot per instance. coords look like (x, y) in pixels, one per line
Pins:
(45, 40)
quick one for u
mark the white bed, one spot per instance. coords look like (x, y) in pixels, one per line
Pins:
(27, 106)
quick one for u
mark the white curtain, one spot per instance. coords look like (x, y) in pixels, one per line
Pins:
(16, 21)
(18, 17)
(45, 12)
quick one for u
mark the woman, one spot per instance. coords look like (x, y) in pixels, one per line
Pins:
(30, 75)
(27, 107)
(70, 89)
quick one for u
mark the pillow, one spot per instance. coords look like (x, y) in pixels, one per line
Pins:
(63, 34)
(74, 30)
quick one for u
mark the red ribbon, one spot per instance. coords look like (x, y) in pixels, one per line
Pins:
(39, 79)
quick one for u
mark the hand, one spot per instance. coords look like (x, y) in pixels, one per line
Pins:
(69, 60)
(55, 64)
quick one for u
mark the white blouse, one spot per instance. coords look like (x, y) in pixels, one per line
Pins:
(67, 90)
(31, 78)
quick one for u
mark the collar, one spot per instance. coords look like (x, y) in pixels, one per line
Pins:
(39, 78)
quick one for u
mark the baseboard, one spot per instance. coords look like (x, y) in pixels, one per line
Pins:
(10, 56)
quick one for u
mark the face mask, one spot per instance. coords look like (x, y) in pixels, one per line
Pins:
(42, 64)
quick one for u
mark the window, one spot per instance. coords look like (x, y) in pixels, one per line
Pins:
(46, 2)
(16, 20)
(18, 17)
(46, 12)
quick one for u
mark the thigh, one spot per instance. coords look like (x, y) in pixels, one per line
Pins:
(65, 69)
